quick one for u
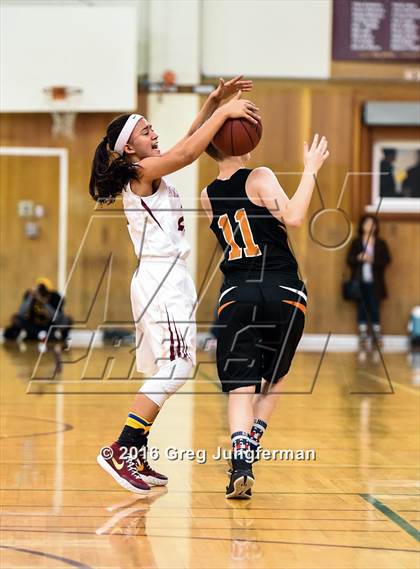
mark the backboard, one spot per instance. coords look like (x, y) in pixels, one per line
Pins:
(92, 48)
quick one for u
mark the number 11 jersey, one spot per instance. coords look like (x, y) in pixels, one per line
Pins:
(251, 237)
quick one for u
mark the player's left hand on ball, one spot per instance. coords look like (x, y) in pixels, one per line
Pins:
(229, 88)
(315, 156)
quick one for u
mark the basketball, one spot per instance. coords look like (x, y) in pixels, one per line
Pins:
(237, 137)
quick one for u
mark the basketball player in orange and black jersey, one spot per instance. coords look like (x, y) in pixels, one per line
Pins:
(262, 301)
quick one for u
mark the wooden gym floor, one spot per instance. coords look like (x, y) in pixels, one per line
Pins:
(355, 506)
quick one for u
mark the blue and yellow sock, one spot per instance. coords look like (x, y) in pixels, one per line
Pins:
(135, 431)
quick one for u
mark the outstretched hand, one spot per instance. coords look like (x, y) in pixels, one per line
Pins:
(225, 90)
(315, 156)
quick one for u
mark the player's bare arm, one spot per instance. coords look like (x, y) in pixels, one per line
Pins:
(183, 155)
(264, 189)
(223, 91)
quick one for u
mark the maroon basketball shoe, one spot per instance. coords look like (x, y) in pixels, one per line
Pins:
(149, 475)
(123, 469)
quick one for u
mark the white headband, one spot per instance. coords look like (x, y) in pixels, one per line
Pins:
(125, 133)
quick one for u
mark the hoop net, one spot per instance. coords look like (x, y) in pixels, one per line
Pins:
(62, 114)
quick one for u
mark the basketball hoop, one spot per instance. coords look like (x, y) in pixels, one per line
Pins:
(63, 117)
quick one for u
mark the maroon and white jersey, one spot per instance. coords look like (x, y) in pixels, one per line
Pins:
(156, 223)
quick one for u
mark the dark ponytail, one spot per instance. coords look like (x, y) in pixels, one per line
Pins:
(110, 171)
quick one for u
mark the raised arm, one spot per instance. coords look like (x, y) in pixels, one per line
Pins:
(268, 190)
(183, 154)
(223, 91)
(313, 158)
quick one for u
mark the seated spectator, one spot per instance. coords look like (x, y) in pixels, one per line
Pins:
(41, 307)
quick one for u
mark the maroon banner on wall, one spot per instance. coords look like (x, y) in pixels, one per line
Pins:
(366, 30)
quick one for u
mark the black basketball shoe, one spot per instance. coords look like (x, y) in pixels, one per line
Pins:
(240, 483)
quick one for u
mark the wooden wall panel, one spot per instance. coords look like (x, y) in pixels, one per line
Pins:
(23, 259)
(102, 239)
(376, 70)
(403, 275)
(292, 112)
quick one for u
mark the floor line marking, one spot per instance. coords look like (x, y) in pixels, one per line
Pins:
(66, 560)
(393, 516)
(72, 531)
(198, 492)
(383, 380)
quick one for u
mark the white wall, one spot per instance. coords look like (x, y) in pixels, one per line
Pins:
(267, 38)
(142, 25)
(260, 38)
(174, 39)
(171, 116)
(89, 47)
(143, 14)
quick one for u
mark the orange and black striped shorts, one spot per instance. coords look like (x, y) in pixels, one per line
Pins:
(260, 324)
